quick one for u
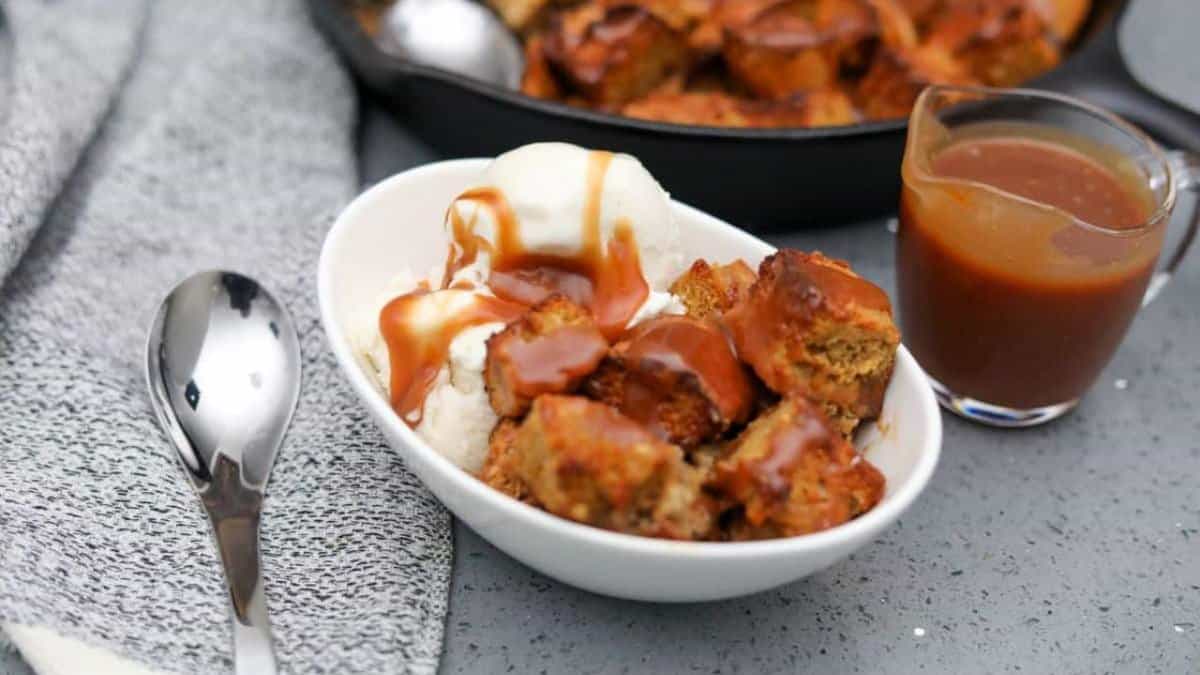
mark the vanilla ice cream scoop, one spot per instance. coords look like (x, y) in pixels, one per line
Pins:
(427, 351)
(551, 189)
(547, 218)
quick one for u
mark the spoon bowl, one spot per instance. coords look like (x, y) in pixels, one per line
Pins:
(459, 36)
(223, 369)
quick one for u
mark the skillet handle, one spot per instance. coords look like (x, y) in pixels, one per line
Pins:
(1097, 74)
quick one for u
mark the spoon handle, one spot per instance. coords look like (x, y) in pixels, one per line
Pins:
(235, 510)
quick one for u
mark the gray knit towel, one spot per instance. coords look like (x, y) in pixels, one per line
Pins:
(141, 140)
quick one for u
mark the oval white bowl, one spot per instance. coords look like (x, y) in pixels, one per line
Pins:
(397, 224)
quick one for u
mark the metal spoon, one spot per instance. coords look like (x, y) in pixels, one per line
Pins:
(460, 36)
(223, 367)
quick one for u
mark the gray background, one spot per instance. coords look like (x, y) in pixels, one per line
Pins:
(1070, 548)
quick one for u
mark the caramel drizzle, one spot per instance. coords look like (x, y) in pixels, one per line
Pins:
(417, 356)
(606, 279)
(465, 244)
(674, 348)
(598, 162)
(787, 447)
(554, 361)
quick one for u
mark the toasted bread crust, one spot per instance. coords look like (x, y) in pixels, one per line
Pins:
(1000, 42)
(679, 377)
(619, 56)
(898, 75)
(792, 473)
(499, 469)
(708, 291)
(812, 327)
(585, 461)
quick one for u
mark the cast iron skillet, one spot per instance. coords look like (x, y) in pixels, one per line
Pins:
(756, 178)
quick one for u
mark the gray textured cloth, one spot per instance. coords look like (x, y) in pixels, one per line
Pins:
(140, 141)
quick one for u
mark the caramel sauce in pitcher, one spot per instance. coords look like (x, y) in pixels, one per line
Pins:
(1004, 296)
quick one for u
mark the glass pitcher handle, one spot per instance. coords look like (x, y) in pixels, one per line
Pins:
(1185, 172)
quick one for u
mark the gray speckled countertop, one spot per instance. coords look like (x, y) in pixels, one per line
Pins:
(1069, 548)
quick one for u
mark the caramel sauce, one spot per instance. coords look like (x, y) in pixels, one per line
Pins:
(605, 277)
(610, 429)
(781, 30)
(844, 286)
(551, 362)
(465, 246)
(800, 289)
(417, 356)
(786, 448)
(611, 286)
(1004, 296)
(1047, 174)
(801, 439)
(674, 348)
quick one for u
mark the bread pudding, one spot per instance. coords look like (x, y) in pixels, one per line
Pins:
(713, 405)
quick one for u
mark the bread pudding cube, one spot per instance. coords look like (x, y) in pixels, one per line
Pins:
(791, 473)
(812, 327)
(585, 461)
(777, 48)
(1000, 42)
(780, 53)
(679, 377)
(708, 291)
(537, 80)
(549, 350)
(621, 55)
(897, 76)
(841, 418)
(499, 469)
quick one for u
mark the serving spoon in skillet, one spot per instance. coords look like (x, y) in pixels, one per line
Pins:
(223, 368)
(460, 36)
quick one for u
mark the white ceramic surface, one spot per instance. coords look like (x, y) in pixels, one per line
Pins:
(398, 224)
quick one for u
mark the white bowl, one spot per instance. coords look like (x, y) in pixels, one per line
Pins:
(398, 224)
